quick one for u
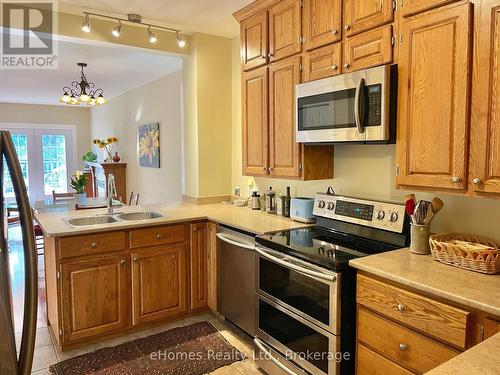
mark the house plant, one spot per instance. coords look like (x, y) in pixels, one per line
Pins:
(107, 145)
(78, 183)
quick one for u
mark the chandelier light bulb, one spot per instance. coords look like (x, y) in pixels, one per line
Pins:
(84, 97)
(86, 24)
(180, 42)
(117, 29)
(152, 38)
(101, 99)
(65, 98)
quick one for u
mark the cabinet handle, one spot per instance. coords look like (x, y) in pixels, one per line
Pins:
(271, 169)
(136, 259)
(334, 31)
(403, 347)
(347, 27)
(401, 307)
(158, 236)
(456, 179)
(270, 55)
(476, 181)
(334, 67)
(347, 65)
(93, 245)
(122, 261)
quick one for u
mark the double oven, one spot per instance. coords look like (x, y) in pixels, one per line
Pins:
(298, 315)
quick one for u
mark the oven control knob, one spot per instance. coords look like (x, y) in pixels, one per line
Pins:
(329, 254)
(380, 214)
(321, 204)
(394, 217)
(321, 251)
(331, 206)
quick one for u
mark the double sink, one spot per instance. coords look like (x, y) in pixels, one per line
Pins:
(87, 221)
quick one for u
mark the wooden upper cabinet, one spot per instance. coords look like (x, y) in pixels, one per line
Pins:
(322, 62)
(255, 123)
(254, 41)
(411, 7)
(485, 151)
(321, 22)
(362, 15)
(433, 109)
(198, 264)
(94, 297)
(158, 283)
(368, 49)
(285, 29)
(284, 151)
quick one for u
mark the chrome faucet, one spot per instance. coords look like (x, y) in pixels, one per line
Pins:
(111, 193)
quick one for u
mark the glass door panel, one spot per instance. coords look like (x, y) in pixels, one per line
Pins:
(55, 168)
(23, 144)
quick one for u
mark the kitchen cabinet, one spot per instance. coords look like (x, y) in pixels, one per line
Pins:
(254, 41)
(321, 22)
(94, 296)
(322, 62)
(485, 134)
(370, 363)
(255, 135)
(434, 73)
(365, 15)
(212, 266)
(199, 265)
(158, 283)
(491, 328)
(285, 29)
(119, 171)
(368, 49)
(411, 7)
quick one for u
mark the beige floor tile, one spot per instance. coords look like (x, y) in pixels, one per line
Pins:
(226, 370)
(43, 358)
(62, 356)
(42, 338)
(248, 368)
(41, 372)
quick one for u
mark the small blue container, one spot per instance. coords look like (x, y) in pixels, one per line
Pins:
(301, 209)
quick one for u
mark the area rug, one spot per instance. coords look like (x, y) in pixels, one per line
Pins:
(191, 350)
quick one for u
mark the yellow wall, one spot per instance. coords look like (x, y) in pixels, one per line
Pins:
(365, 171)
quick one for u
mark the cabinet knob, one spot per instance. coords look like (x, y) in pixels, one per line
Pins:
(456, 179)
(158, 236)
(270, 55)
(347, 27)
(347, 65)
(334, 67)
(271, 169)
(136, 259)
(403, 347)
(476, 181)
(401, 307)
(265, 168)
(93, 245)
(334, 31)
(122, 261)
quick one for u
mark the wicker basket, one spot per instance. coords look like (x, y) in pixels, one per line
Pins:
(466, 251)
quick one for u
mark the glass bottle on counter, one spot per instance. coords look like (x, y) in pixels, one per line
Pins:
(286, 203)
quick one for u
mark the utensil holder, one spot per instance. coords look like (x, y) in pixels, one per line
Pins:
(420, 239)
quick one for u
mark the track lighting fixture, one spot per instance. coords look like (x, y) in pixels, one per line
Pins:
(132, 19)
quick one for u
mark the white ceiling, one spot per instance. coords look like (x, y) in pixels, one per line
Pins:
(114, 68)
(207, 16)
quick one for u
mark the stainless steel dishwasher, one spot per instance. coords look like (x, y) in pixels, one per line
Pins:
(236, 277)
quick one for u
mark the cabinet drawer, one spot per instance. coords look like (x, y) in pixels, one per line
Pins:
(322, 62)
(92, 244)
(411, 7)
(370, 363)
(157, 236)
(401, 344)
(437, 319)
(368, 49)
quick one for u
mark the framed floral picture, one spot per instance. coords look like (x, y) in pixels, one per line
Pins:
(149, 145)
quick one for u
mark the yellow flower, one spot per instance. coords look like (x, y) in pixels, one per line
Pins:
(95, 141)
(101, 145)
(115, 139)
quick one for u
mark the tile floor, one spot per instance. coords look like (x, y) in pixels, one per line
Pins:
(47, 354)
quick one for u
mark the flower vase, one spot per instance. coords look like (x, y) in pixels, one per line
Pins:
(116, 158)
(80, 198)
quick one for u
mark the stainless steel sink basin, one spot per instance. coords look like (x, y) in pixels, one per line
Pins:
(90, 220)
(140, 215)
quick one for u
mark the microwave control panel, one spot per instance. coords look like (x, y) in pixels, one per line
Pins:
(374, 95)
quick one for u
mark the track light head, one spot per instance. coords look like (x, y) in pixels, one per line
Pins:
(117, 29)
(180, 42)
(86, 23)
(152, 38)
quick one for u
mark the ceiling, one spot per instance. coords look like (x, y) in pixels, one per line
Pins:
(114, 68)
(207, 16)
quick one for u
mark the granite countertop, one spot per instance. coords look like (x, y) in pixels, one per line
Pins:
(242, 218)
(422, 273)
(481, 359)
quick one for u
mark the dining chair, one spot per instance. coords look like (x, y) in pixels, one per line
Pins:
(61, 196)
(134, 199)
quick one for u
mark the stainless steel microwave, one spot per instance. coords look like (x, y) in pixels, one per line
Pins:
(353, 107)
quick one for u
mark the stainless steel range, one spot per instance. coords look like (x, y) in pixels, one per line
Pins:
(305, 299)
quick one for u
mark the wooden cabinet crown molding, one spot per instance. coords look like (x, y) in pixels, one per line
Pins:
(253, 8)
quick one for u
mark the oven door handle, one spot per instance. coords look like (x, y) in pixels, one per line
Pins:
(269, 355)
(221, 237)
(358, 106)
(284, 263)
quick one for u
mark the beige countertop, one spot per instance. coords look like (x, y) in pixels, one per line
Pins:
(482, 359)
(239, 217)
(427, 275)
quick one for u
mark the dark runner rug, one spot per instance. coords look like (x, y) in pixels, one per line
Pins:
(192, 350)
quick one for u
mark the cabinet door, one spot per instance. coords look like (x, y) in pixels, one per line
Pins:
(284, 151)
(362, 15)
(322, 22)
(485, 152)
(158, 283)
(491, 328)
(322, 62)
(411, 7)
(255, 135)
(198, 263)
(433, 105)
(285, 29)
(94, 297)
(254, 41)
(212, 266)
(368, 49)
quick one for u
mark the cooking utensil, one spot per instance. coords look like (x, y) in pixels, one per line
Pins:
(412, 198)
(420, 212)
(437, 204)
(410, 209)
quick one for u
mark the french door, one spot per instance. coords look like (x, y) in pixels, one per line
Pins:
(47, 158)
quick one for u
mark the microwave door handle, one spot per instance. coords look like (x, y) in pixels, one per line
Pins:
(359, 102)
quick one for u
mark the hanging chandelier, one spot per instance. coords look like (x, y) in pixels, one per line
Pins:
(82, 92)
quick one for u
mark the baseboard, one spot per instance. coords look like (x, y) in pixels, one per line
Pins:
(205, 200)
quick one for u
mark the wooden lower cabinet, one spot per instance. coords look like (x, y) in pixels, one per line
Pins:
(369, 362)
(94, 296)
(491, 328)
(199, 265)
(158, 283)
(212, 266)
